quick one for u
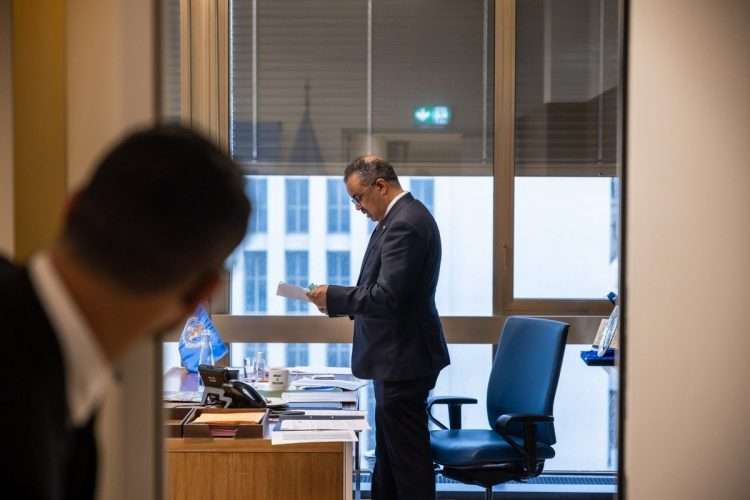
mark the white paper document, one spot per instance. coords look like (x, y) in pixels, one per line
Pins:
(292, 292)
(319, 397)
(336, 413)
(292, 437)
(342, 424)
(347, 385)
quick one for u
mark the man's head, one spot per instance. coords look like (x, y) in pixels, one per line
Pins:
(372, 184)
(162, 211)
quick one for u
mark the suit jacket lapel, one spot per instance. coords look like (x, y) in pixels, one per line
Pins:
(376, 234)
(379, 230)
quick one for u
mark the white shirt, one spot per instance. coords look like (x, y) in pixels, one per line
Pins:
(88, 372)
(393, 202)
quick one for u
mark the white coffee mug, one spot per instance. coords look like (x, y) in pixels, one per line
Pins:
(278, 379)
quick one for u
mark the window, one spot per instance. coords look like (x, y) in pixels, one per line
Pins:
(462, 209)
(296, 205)
(566, 150)
(257, 192)
(255, 282)
(563, 235)
(586, 440)
(339, 207)
(434, 117)
(297, 355)
(528, 227)
(424, 191)
(296, 274)
(351, 77)
(338, 355)
(338, 268)
(251, 349)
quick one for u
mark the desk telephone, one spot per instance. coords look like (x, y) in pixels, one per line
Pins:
(222, 387)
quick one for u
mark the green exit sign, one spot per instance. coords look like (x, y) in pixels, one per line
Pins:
(432, 116)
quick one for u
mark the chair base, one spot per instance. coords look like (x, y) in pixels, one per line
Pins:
(488, 476)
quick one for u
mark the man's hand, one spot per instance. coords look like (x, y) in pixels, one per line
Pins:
(318, 295)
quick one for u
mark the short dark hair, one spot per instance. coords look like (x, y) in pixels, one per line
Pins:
(164, 206)
(371, 168)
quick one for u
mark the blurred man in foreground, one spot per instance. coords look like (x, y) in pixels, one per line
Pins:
(141, 245)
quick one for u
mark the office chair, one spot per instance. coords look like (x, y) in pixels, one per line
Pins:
(520, 395)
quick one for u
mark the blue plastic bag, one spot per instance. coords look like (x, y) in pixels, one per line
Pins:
(190, 339)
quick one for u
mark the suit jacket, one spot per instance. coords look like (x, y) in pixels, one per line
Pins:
(43, 456)
(397, 330)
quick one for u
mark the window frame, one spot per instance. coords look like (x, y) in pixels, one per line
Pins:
(206, 104)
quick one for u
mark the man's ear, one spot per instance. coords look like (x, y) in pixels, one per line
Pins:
(201, 289)
(382, 185)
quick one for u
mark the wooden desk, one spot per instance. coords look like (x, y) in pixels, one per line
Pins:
(252, 469)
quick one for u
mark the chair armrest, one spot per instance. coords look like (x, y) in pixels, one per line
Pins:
(501, 424)
(529, 422)
(454, 409)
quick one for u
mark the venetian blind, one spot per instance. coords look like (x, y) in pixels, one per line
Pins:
(567, 74)
(318, 82)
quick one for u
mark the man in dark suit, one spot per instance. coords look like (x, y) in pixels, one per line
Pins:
(398, 339)
(142, 244)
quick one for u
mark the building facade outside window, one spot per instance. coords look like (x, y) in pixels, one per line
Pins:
(338, 355)
(338, 207)
(424, 191)
(297, 209)
(297, 355)
(256, 272)
(257, 192)
(297, 274)
(251, 348)
(338, 268)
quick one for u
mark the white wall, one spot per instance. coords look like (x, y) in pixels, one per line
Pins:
(6, 132)
(110, 88)
(688, 244)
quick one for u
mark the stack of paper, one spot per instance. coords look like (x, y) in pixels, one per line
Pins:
(343, 424)
(319, 397)
(347, 385)
(292, 292)
(292, 437)
(229, 418)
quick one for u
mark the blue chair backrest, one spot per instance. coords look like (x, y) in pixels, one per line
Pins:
(526, 370)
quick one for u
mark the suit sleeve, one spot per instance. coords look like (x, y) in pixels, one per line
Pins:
(402, 257)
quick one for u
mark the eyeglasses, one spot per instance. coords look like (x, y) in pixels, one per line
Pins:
(357, 198)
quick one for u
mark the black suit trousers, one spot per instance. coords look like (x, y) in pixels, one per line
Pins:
(403, 460)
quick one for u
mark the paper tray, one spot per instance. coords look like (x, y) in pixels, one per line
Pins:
(191, 430)
(174, 417)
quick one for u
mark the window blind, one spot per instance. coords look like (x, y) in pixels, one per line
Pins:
(567, 74)
(319, 82)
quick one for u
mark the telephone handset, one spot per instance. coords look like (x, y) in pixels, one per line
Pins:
(243, 395)
(222, 387)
